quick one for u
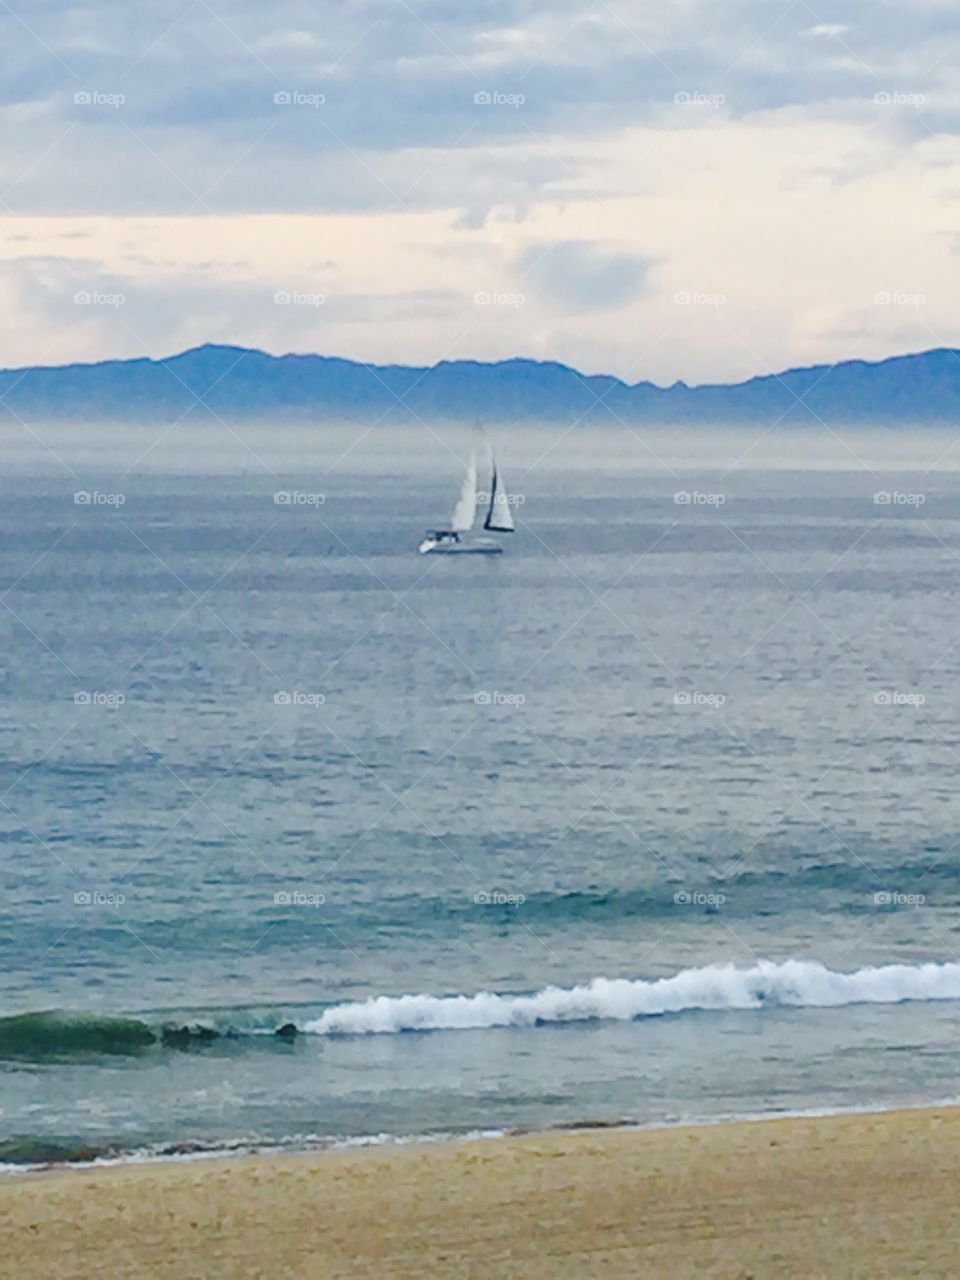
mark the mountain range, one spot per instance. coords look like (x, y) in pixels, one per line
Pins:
(237, 382)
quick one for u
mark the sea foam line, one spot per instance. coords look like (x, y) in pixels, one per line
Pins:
(803, 983)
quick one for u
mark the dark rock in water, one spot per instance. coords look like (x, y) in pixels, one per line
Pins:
(184, 1037)
(175, 1037)
(50, 1151)
(573, 1125)
(288, 1031)
(188, 1148)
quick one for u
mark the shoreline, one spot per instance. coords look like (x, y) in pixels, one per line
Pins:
(319, 1145)
(854, 1194)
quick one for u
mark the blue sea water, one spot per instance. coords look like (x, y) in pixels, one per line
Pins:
(667, 781)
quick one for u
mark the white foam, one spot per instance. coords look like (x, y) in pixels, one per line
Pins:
(792, 982)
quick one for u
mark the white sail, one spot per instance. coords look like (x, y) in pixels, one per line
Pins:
(465, 512)
(499, 514)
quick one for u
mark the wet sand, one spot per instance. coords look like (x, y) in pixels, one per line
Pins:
(841, 1196)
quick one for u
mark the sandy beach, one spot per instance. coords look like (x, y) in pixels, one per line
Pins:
(861, 1195)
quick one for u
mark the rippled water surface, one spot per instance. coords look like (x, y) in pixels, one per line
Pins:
(260, 761)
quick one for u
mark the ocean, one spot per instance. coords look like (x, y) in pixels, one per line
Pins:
(652, 818)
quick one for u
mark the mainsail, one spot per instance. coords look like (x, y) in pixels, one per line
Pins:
(465, 512)
(499, 515)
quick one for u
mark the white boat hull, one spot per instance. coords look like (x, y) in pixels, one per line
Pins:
(460, 549)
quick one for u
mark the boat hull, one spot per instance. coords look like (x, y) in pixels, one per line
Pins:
(458, 549)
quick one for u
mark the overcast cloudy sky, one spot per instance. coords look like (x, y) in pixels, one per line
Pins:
(654, 188)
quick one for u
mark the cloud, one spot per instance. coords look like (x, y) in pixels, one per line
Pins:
(827, 29)
(583, 275)
(380, 95)
(401, 158)
(84, 303)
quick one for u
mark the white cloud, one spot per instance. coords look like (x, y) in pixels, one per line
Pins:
(583, 275)
(827, 29)
(776, 179)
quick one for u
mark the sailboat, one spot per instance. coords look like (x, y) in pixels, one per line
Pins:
(499, 518)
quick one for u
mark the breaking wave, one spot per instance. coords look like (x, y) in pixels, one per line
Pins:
(801, 983)
(50, 1034)
(55, 1035)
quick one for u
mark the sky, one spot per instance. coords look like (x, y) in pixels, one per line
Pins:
(658, 189)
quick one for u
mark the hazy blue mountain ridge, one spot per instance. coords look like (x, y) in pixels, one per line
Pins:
(236, 382)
